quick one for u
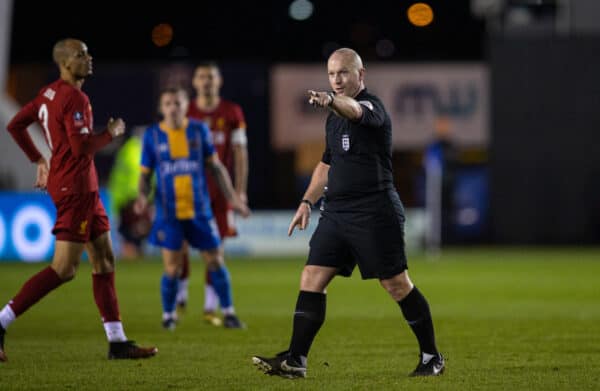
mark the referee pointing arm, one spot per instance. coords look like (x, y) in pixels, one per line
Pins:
(362, 221)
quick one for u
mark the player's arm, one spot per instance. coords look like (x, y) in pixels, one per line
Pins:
(240, 161)
(79, 130)
(313, 193)
(17, 128)
(239, 143)
(219, 172)
(144, 190)
(83, 142)
(146, 170)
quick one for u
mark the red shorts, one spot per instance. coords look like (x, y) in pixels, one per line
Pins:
(80, 218)
(223, 213)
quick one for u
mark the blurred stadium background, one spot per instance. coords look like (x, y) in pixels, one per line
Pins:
(509, 88)
(494, 106)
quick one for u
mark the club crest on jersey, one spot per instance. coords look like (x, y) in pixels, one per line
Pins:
(83, 227)
(345, 142)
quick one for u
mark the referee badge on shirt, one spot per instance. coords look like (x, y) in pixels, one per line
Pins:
(345, 142)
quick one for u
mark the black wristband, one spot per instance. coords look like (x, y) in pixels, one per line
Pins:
(310, 204)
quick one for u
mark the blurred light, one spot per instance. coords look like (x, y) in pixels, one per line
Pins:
(468, 216)
(420, 14)
(385, 48)
(162, 34)
(329, 47)
(32, 248)
(2, 233)
(301, 9)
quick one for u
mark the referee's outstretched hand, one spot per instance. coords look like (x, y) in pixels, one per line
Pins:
(300, 219)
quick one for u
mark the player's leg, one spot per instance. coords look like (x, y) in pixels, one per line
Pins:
(221, 282)
(416, 311)
(102, 259)
(224, 218)
(168, 235)
(63, 268)
(328, 256)
(182, 288)
(172, 261)
(309, 316)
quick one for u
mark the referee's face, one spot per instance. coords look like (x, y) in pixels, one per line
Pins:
(345, 77)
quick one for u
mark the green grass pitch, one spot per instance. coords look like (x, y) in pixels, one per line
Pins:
(507, 319)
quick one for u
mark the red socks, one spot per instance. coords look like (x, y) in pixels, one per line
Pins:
(34, 289)
(185, 270)
(105, 296)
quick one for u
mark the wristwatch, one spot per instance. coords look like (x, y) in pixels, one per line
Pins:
(307, 202)
(332, 96)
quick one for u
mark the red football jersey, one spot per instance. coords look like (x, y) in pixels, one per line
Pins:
(225, 119)
(65, 114)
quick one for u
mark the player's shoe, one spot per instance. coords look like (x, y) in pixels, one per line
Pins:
(129, 350)
(212, 318)
(169, 324)
(434, 367)
(281, 365)
(231, 321)
(3, 357)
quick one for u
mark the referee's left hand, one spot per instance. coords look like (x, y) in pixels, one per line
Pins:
(301, 218)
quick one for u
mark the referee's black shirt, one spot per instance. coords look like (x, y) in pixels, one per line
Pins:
(360, 157)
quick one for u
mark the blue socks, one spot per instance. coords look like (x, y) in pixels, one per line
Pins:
(222, 285)
(168, 290)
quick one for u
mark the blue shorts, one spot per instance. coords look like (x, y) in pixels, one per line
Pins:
(201, 234)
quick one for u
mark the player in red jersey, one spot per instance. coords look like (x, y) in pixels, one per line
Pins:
(65, 114)
(226, 121)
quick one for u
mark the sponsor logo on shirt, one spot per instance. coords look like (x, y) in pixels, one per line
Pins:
(163, 147)
(84, 130)
(179, 167)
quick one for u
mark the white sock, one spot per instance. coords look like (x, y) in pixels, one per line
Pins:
(182, 291)
(7, 316)
(114, 332)
(427, 357)
(211, 300)
(228, 310)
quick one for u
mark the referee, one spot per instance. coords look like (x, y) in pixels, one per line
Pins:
(362, 221)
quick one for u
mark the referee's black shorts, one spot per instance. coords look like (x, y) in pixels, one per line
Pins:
(373, 239)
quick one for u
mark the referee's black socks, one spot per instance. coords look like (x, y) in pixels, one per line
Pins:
(416, 312)
(308, 318)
